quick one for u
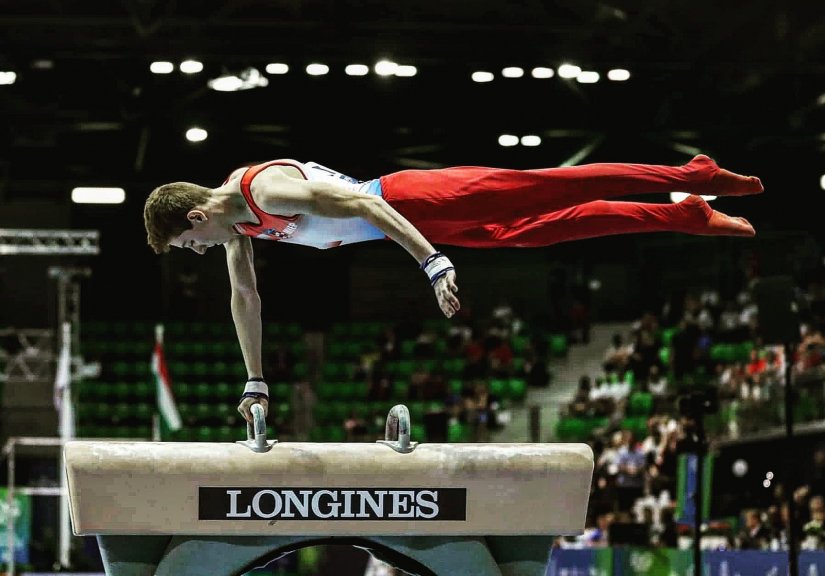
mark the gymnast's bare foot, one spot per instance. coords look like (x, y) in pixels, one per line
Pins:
(725, 182)
(716, 223)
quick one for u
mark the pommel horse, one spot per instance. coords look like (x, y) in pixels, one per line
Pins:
(188, 509)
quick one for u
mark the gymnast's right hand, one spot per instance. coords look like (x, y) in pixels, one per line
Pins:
(445, 290)
(255, 392)
(442, 278)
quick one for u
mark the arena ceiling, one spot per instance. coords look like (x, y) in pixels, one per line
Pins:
(742, 81)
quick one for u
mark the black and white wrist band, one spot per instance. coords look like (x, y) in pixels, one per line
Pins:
(436, 265)
(256, 386)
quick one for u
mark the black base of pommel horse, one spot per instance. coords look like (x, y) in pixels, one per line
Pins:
(185, 509)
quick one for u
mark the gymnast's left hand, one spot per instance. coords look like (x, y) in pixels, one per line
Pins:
(445, 291)
(245, 408)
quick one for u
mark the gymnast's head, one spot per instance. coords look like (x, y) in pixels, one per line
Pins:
(183, 215)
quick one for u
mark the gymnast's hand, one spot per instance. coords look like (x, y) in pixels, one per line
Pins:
(445, 289)
(245, 407)
(255, 392)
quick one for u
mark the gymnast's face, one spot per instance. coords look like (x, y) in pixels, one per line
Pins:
(206, 231)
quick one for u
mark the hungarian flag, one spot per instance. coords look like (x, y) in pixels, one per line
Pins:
(163, 385)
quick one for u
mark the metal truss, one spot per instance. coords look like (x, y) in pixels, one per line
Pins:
(49, 242)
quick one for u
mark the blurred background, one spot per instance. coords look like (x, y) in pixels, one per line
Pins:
(593, 341)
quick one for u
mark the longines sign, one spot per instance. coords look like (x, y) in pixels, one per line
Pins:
(246, 503)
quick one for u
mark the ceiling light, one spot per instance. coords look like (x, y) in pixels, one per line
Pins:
(618, 75)
(588, 77)
(43, 64)
(530, 140)
(677, 197)
(822, 182)
(191, 66)
(161, 67)
(277, 68)
(356, 70)
(317, 69)
(569, 71)
(385, 68)
(7, 78)
(482, 76)
(95, 195)
(196, 134)
(513, 72)
(406, 71)
(541, 72)
(507, 140)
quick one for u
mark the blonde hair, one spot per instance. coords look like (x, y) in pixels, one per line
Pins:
(164, 213)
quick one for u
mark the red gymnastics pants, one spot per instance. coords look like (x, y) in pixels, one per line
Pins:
(492, 207)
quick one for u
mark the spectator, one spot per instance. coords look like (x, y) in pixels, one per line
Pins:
(754, 535)
(617, 355)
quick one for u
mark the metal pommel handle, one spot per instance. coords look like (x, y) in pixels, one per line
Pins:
(397, 430)
(256, 431)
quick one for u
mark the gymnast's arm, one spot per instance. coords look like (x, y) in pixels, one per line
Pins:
(246, 313)
(286, 195)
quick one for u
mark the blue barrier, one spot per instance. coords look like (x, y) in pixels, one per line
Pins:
(672, 562)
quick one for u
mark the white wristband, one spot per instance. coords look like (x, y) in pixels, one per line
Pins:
(437, 265)
(256, 387)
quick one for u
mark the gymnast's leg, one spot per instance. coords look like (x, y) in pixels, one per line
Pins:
(600, 218)
(471, 194)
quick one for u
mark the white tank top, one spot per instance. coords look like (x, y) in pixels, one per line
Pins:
(317, 231)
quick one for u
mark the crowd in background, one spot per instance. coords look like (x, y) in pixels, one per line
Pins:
(636, 471)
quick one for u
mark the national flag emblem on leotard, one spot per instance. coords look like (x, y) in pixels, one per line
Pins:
(285, 233)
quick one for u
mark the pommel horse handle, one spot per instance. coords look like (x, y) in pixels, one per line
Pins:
(397, 430)
(256, 432)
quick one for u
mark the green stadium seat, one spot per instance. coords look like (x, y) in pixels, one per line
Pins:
(558, 345)
(335, 433)
(336, 349)
(497, 387)
(344, 390)
(417, 410)
(405, 368)
(742, 351)
(457, 432)
(223, 391)
(229, 434)
(326, 390)
(360, 390)
(517, 388)
(206, 434)
(640, 404)
(408, 348)
(455, 386)
(454, 366)
(401, 390)
(636, 424)
(203, 411)
(418, 433)
(519, 344)
(667, 335)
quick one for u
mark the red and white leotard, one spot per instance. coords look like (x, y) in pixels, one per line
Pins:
(482, 207)
(309, 229)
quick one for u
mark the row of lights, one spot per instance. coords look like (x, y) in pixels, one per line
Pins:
(389, 68)
(382, 68)
(567, 71)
